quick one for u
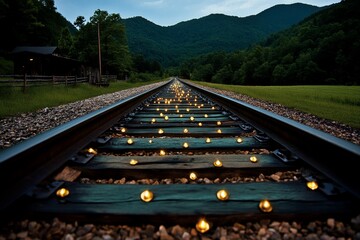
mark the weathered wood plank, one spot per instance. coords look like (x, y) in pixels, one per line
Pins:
(185, 203)
(192, 131)
(176, 144)
(180, 166)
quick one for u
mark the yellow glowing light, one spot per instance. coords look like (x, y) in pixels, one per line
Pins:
(208, 140)
(265, 205)
(181, 115)
(186, 130)
(166, 118)
(192, 118)
(185, 145)
(253, 159)
(202, 226)
(147, 196)
(200, 124)
(92, 151)
(193, 176)
(206, 116)
(222, 195)
(161, 131)
(188, 110)
(218, 123)
(312, 185)
(133, 162)
(238, 140)
(130, 141)
(217, 163)
(123, 130)
(161, 114)
(166, 110)
(178, 111)
(150, 141)
(162, 153)
(213, 108)
(218, 131)
(153, 120)
(158, 109)
(62, 192)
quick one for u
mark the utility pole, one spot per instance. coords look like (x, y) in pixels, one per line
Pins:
(99, 51)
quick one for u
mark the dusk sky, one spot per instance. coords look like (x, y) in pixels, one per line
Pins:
(171, 12)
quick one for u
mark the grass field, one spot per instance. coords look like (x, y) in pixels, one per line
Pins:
(339, 103)
(13, 101)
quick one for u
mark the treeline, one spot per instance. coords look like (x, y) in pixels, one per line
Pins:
(37, 23)
(322, 49)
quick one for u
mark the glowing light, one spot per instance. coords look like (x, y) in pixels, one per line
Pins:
(202, 226)
(253, 159)
(188, 110)
(161, 131)
(206, 116)
(239, 140)
(208, 140)
(161, 114)
(192, 118)
(186, 130)
(92, 151)
(123, 130)
(166, 118)
(222, 195)
(193, 176)
(185, 145)
(312, 185)
(153, 120)
(158, 109)
(150, 141)
(130, 141)
(217, 163)
(200, 124)
(62, 192)
(213, 108)
(219, 131)
(265, 205)
(162, 153)
(147, 196)
(218, 123)
(133, 162)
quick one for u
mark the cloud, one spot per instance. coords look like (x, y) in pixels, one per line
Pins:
(153, 3)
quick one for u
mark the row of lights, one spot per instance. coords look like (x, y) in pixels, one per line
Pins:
(207, 140)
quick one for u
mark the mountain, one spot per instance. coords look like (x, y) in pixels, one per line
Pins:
(216, 32)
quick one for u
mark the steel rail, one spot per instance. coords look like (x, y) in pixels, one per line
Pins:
(334, 157)
(26, 164)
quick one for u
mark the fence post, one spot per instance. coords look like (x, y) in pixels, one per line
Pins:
(53, 79)
(65, 80)
(24, 85)
(75, 79)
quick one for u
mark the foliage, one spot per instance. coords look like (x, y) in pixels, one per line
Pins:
(115, 55)
(216, 32)
(322, 49)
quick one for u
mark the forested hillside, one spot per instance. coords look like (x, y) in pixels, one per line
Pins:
(171, 45)
(322, 49)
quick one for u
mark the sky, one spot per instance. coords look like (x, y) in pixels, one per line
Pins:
(171, 12)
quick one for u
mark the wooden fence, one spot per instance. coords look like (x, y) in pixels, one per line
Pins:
(25, 81)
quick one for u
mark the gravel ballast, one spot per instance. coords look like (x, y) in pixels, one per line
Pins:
(16, 129)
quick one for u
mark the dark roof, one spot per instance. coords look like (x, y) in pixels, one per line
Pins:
(38, 50)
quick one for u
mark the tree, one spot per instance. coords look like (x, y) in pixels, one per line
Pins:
(65, 42)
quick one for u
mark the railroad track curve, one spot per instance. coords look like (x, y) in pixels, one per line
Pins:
(178, 154)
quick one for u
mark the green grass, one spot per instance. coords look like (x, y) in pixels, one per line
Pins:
(339, 103)
(14, 101)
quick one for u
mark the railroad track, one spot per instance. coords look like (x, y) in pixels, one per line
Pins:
(178, 154)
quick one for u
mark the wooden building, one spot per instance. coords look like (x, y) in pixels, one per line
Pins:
(45, 61)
